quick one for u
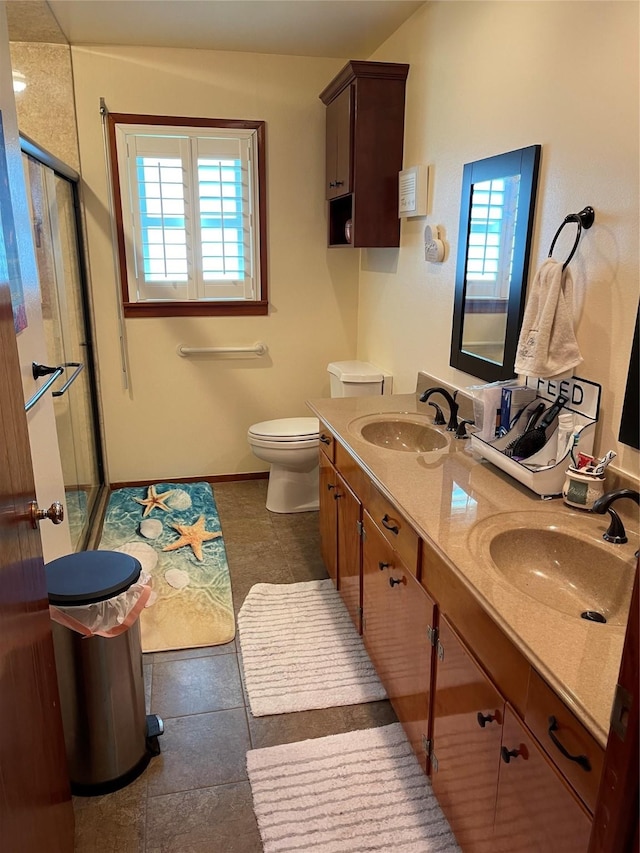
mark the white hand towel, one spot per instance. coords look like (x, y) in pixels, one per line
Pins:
(547, 344)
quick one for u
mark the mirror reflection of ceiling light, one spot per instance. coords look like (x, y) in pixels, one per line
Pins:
(19, 82)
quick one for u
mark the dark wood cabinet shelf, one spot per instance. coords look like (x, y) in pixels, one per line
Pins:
(364, 139)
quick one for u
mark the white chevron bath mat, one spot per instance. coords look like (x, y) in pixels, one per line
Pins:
(347, 793)
(300, 650)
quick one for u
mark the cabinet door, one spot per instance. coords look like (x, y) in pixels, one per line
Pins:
(397, 616)
(328, 517)
(338, 127)
(468, 712)
(349, 550)
(536, 812)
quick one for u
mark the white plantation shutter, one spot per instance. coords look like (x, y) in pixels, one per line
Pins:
(189, 213)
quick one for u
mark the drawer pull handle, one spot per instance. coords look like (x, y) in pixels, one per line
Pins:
(483, 719)
(581, 760)
(394, 581)
(382, 565)
(392, 527)
(330, 486)
(325, 439)
(508, 754)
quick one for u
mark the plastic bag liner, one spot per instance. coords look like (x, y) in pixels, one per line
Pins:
(106, 618)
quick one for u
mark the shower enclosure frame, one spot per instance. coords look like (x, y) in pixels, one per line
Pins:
(60, 169)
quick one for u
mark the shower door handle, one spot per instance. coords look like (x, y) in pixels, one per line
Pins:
(79, 367)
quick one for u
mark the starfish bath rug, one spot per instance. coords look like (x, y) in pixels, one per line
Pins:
(174, 531)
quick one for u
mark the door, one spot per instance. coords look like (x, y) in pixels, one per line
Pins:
(349, 516)
(467, 733)
(35, 803)
(52, 200)
(536, 812)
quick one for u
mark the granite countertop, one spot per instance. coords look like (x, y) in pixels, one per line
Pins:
(456, 502)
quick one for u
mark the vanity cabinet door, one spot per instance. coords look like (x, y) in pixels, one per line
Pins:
(397, 617)
(468, 713)
(328, 517)
(536, 811)
(349, 515)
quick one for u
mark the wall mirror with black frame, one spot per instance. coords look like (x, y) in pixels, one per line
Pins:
(494, 245)
(630, 421)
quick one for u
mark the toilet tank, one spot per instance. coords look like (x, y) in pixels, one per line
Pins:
(357, 379)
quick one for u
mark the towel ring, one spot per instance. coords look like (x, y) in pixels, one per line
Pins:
(584, 219)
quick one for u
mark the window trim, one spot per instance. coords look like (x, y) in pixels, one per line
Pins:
(192, 308)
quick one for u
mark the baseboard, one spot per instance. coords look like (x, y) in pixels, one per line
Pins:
(214, 478)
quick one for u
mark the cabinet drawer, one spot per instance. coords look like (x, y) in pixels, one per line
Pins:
(396, 530)
(351, 471)
(327, 442)
(542, 705)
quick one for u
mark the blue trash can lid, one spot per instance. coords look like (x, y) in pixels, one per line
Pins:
(90, 576)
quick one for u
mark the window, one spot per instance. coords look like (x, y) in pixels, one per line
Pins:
(190, 208)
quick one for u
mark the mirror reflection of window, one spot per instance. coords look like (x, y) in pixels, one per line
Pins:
(490, 251)
(496, 223)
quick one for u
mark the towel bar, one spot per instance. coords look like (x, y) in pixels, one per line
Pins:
(257, 349)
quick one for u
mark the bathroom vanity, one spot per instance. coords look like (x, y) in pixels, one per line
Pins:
(504, 692)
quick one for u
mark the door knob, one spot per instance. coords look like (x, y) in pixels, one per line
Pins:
(55, 513)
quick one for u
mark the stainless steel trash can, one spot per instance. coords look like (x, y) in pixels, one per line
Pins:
(100, 679)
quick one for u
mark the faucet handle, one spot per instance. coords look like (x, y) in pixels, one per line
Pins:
(461, 431)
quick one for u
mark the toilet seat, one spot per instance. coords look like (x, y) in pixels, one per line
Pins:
(287, 430)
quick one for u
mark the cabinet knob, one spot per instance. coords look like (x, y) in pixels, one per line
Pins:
(339, 183)
(332, 184)
(325, 439)
(394, 581)
(330, 486)
(337, 495)
(508, 754)
(382, 565)
(483, 719)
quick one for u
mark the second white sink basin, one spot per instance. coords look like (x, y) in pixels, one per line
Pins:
(399, 431)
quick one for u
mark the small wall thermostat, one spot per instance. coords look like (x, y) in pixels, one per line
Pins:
(433, 245)
(412, 191)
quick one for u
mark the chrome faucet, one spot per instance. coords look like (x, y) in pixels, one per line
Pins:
(616, 532)
(453, 406)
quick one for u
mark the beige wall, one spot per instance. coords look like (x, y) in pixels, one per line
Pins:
(185, 417)
(488, 77)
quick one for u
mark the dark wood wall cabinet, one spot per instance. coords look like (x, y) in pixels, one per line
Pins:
(365, 130)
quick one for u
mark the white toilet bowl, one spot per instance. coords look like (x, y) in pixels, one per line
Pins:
(290, 445)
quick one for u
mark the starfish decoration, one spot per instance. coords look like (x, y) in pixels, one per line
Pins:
(193, 535)
(154, 500)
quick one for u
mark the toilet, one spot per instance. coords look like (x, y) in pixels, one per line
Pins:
(290, 445)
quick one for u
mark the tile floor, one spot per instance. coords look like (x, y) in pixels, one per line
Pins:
(195, 797)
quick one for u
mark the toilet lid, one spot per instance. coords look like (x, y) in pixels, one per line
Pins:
(287, 429)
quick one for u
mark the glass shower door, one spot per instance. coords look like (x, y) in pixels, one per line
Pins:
(68, 339)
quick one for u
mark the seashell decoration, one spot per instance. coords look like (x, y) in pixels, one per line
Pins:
(144, 553)
(179, 499)
(150, 528)
(177, 578)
